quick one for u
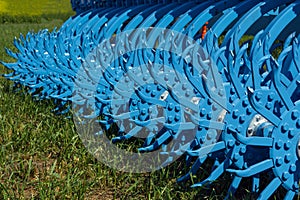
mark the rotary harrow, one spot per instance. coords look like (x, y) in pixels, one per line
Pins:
(144, 66)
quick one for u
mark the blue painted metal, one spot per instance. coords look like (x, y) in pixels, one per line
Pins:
(151, 87)
(240, 114)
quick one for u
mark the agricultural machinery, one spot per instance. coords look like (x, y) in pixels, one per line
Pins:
(181, 76)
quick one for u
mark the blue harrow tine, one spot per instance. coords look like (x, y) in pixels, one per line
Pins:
(290, 195)
(248, 20)
(206, 15)
(279, 86)
(194, 168)
(233, 187)
(255, 184)
(215, 174)
(231, 15)
(254, 169)
(270, 189)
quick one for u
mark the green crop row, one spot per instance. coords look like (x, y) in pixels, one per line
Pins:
(17, 11)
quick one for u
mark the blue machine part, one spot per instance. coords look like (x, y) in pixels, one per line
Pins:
(282, 113)
(213, 98)
(237, 151)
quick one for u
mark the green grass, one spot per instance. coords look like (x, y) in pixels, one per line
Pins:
(34, 7)
(42, 157)
(16, 11)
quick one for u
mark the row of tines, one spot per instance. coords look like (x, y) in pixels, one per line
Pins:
(146, 67)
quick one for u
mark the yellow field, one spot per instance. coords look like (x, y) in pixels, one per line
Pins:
(34, 7)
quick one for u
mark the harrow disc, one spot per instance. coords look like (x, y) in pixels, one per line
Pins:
(143, 66)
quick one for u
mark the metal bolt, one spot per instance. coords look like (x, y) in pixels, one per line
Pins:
(221, 92)
(295, 115)
(258, 96)
(287, 158)
(243, 150)
(177, 117)
(203, 112)
(209, 102)
(230, 143)
(210, 135)
(153, 93)
(287, 145)
(235, 114)
(284, 128)
(236, 157)
(249, 111)
(143, 111)
(232, 91)
(269, 105)
(148, 89)
(188, 93)
(177, 108)
(202, 139)
(170, 119)
(170, 106)
(292, 134)
(159, 88)
(293, 168)
(214, 108)
(271, 96)
(246, 77)
(285, 176)
(134, 103)
(209, 116)
(245, 103)
(279, 161)
(242, 119)
(279, 144)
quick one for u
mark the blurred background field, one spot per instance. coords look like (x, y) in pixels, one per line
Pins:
(18, 11)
